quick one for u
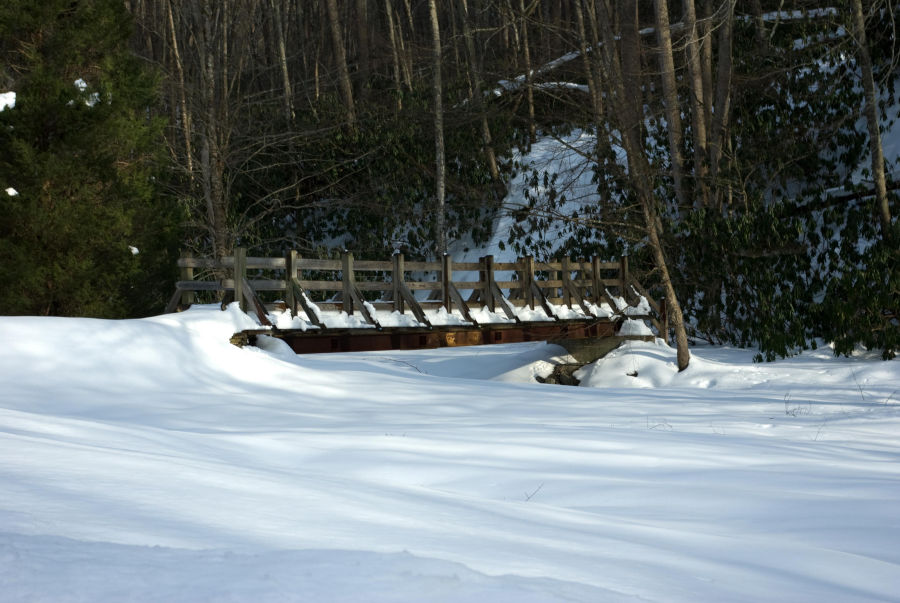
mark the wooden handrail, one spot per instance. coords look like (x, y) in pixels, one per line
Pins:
(576, 283)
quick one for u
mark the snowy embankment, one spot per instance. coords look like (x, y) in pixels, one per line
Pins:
(150, 460)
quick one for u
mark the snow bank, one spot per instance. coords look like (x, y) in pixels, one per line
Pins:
(150, 460)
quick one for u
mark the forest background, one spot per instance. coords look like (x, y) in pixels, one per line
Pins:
(737, 147)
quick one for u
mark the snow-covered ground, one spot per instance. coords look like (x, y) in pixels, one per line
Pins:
(150, 460)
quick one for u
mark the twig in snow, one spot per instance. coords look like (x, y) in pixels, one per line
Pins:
(858, 386)
(530, 496)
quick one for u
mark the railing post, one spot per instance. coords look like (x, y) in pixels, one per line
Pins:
(596, 281)
(347, 282)
(290, 273)
(446, 280)
(623, 277)
(187, 274)
(396, 279)
(487, 279)
(527, 264)
(566, 281)
(240, 272)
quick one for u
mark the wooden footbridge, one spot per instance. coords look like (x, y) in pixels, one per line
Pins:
(565, 296)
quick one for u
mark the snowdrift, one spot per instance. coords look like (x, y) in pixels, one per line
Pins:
(150, 460)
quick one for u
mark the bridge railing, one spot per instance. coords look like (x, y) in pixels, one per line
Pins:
(351, 285)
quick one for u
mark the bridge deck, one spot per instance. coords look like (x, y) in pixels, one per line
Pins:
(586, 339)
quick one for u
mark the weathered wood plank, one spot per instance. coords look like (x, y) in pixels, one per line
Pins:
(397, 276)
(348, 279)
(317, 264)
(499, 299)
(252, 299)
(461, 303)
(424, 266)
(290, 272)
(200, 286)
(265, 263)
(507, 266)
(542, 300)
(466, 266)
(321, 285)
(420, 286)
(358, 301)
(372, 266)
(302, 299)
(173, 301)
(410, 299)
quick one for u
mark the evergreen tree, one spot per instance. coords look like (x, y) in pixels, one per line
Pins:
(86, 234)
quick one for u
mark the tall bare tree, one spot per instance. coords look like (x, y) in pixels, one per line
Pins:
(870, 110)
(439, 160)
(477, 91)
(629, 117)
(670, 98)
(340, 57)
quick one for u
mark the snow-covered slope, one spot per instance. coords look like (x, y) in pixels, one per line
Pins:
(150, 460)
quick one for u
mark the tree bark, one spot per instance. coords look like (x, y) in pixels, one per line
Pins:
(440, 163)
(395, 53)
(182, 94)
(698, 103)
(477, 96)
(362, 28)
(640, 176)
(340, 57)
(722, 106)
(586, 56)
(870, 110)
(670, 99)
(280, 35)
(529, 84)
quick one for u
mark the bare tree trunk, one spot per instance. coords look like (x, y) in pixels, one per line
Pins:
(592, 80)
(698, 102)
(211, 49)
(477, 96)
(760, 22)
(362, 28)
(871, 113)
(337, 40)
(704, 30)
(182, 94)
(395, 52)
(529, 84)
(639, 174)
(405, 55)
(670, 99)
(510, 14)
(440, 163)
(722, 108)
(630, 41)
(280, 35)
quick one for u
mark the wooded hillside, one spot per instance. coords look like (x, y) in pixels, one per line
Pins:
(738, 151)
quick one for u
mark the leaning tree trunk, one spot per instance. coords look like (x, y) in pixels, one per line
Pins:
(640, 179)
